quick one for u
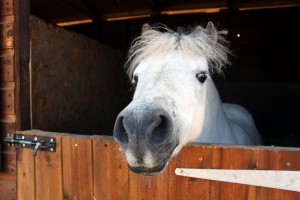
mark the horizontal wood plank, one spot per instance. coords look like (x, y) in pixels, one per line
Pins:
(6, 36)
(8, 187)
(6, 7)
(7, 100)
(6, 68)
(93, 167)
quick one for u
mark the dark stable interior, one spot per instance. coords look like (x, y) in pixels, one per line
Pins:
(264, 75)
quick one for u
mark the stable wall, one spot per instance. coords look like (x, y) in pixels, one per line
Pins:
(76, 81)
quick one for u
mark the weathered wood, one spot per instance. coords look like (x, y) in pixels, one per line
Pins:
(7, 35)
(6, 7)
(77, 167)
(26, 175)
(93, 167)
(109, 168)
(21, 67)
(6, 68)
(7, 98)
(49, 174)
(186, 187)
(7, 187)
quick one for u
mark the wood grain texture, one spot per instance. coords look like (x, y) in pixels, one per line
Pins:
(7, 98)
(6, 7)
(93, 167)
(8, 168)
(77, 166)
(49, 174)
(6, 68)
(26, 175)
(109, 168)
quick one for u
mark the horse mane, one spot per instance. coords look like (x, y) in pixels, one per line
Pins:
(159, 40)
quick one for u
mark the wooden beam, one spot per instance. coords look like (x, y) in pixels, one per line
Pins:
(22, 53)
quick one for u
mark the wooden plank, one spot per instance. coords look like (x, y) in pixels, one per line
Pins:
(237, 158)
(6, 7)
(25, 175)
(6, 36)
(94, 168)
(77, 167)
(7, 98)
(49, 175)
(110, 170)
(149, 187)
(6, 68)
(216, 163)
(8, 166)
(192, 188)
(277, 160)
(7, 187)
(21, 67)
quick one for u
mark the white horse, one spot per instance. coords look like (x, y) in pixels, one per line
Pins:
(175, 101)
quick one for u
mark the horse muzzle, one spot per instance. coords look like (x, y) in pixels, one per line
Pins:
(147, 133)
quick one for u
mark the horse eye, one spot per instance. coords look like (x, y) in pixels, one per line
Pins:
(135, 79)
(201, 77)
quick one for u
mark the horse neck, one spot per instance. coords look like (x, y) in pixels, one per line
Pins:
(215, 120)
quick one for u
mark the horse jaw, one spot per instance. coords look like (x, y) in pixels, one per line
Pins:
(215, 120)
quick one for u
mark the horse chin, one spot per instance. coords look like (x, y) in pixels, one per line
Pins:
(148, 171)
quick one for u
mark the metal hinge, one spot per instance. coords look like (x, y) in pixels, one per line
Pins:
(33, 142)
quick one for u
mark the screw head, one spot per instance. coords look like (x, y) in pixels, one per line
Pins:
(24, 145)
(35, 138)
(51, 149)
(51, 140)
(23, 137)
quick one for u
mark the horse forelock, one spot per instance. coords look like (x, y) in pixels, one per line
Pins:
(198, 42)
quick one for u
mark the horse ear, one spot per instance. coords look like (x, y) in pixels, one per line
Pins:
(211, 30)
(145, 28)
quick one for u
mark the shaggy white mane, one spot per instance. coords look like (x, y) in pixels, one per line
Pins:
(206, 42)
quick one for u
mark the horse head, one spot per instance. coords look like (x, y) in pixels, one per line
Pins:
(171, 72)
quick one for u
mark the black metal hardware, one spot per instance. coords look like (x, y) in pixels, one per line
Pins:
(29, 141)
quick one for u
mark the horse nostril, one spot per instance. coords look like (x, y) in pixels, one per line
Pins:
(120, 133)
(161, 130)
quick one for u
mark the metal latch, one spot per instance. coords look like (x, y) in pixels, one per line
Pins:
(29, 141)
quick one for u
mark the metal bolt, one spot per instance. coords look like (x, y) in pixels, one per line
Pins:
(200, 158)
(75, 144)
(23, 137)
(292, 180)
(24, 145)
(288, 164)
(35, 138)
(51, 149)
(51, 140)
(12, 145)
(8, 134)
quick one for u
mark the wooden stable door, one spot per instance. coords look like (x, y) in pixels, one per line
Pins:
(93, 168)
